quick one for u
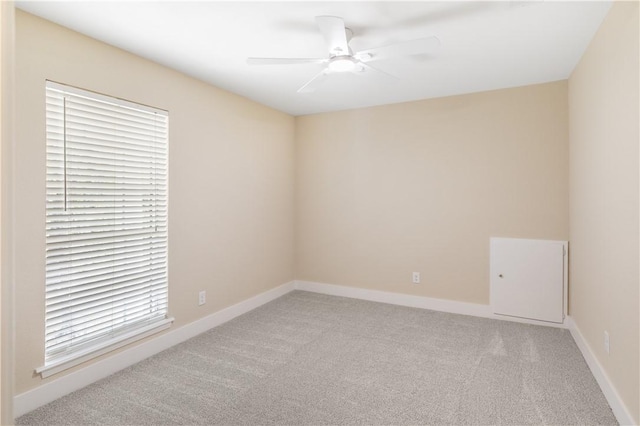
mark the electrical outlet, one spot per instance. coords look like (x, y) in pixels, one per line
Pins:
(416, 277)
(606, 341)
(202, 298)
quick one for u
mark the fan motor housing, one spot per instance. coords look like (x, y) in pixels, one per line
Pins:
(342, 63)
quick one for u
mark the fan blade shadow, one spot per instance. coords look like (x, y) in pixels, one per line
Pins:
(284, 61)
(418, 46)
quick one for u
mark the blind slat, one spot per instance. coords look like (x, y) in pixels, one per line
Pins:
(100, 320)
(97, 332)
(60, 305)
(61, 323)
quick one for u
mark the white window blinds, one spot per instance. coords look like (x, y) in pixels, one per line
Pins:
(106, 220)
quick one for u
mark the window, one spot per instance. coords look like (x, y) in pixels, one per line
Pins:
(106, 223)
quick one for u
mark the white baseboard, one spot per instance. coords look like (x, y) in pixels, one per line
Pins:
(396, 298)
(71, 382)
(442, 305)
(620, 410)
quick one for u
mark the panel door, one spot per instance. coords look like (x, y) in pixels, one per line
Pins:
(527, 278)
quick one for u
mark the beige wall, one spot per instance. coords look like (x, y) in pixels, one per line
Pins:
(230, 191)
(604, 191)
(385, 191)
(6, 281)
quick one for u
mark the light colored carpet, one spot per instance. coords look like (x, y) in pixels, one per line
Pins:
(308, 358)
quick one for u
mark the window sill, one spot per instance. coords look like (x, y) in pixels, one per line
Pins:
(70, 361)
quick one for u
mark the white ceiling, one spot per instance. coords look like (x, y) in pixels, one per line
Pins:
(484, 45)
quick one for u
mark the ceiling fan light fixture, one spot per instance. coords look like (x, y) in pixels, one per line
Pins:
(342, 64)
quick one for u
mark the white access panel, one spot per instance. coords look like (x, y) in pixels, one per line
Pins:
(528, 278)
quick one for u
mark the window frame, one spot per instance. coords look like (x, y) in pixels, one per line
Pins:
(125, 333)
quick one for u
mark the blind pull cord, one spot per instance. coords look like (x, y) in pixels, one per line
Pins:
(155, 198)
(64, 149)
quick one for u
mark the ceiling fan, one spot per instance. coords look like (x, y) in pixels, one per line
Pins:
(342, 59)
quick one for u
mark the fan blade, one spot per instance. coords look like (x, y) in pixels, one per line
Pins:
(314, 83)
(405, 48)
(368, 67)
(284, 61)
(335, 34)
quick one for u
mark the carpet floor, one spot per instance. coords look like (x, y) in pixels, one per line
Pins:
(312, 359)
